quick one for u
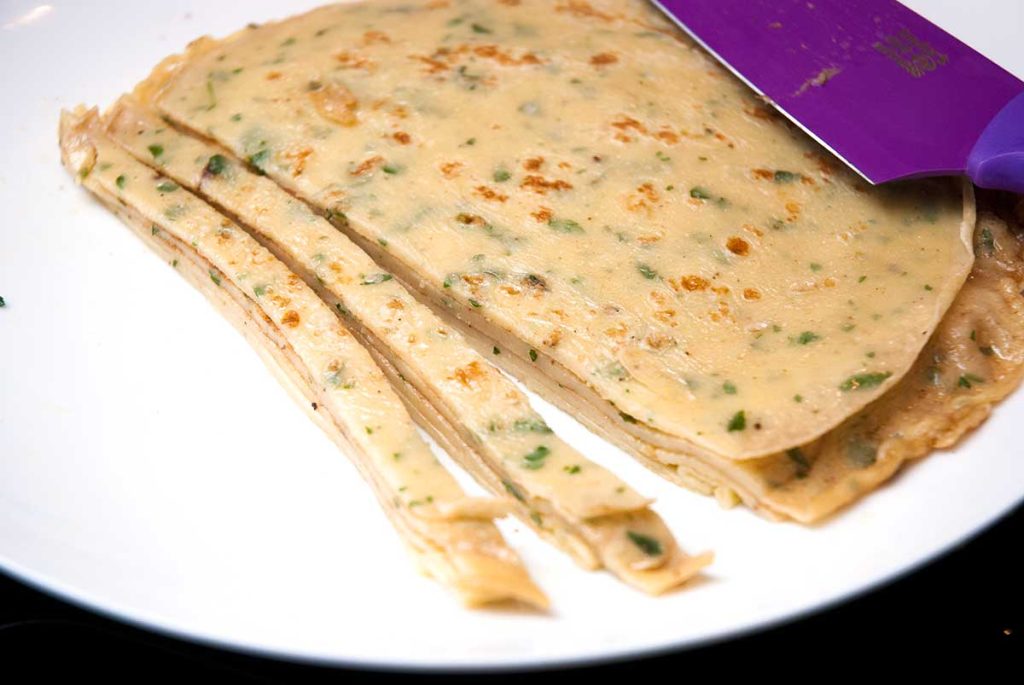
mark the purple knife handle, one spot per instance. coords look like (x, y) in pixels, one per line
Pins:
(997, 160)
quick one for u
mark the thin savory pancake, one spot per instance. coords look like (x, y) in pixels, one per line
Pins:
(299, 336)
(583, 185)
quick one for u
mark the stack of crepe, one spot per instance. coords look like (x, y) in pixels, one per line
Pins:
(393, 199)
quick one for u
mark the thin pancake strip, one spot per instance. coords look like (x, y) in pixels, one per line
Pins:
(448, 532)
(708, 272)
(467, 405)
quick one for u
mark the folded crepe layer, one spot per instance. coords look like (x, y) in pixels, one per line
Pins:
(601, 194)
(466, 404)
(317, 359)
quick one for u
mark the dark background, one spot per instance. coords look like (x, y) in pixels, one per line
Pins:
(967, 608)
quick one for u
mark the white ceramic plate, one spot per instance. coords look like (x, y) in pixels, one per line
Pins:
(136, 476)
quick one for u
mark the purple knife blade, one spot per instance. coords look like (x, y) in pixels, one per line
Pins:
(887, 91)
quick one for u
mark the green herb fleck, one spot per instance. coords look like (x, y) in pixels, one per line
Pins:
(662, 156)
(474, 303)
(700, 193)
(156, 150)
(781, 176)
(928, 287)
(214, 277)
(236, 117)
(862, 279)
(513, 490)
(806, 338)
(216, 165)
(646, 271)
(860, 453)
(729, 388)
(533, 355)
(815, 266)
(259, 161)
(391, 169)
(120, 181)
(535, 459)
(478, 28)
(530, 426)
(647, 544)
(738, 422)
(565, 226)
(803, 467)
(259, 290)
(627, 417)
(862, 381)
(572, 469)
(496, 350)
(968, 380)
(502, 175)
(3, 302)
(987, 241)
(167, 187)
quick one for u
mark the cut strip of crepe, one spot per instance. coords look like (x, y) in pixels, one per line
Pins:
(299, 336)
(470, 408)
(581, 186)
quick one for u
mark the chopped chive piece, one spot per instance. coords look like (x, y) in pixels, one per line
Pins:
(474, 302)
(647, 272)
(513, 490)
(156, 150)
(530, 426)
(533, 355)
(390, 169)
(968, 380)
(806, 338)
(700, 193)
(862, 279)
(259, 161)
(987, 241)
(565, 225)
(572, 470)
(496, 350)
(815, 266)
(535, 459)
(479, 28)
(738, 422)
(798, 398)
(154, 229)
(647, 544)
(259, 291)
(216, 165)
(781, 176)
(803, 467)
(167, 187)
(862, 381)
(729, 388)
(214, 277)
(120, 181)
(502, 175)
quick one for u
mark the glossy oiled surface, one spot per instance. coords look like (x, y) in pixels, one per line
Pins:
(582, 176)
(129, 478)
